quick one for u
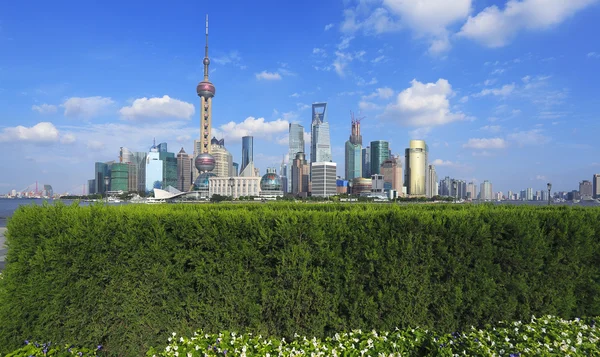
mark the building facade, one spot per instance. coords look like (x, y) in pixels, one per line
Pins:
(223, 159)
(247, 151)
(416, 168)
(323, 179)
(380, 151)
(296, 145)
(366, 162)
(432, 185)
(154, 170)
(234, 186)
(471, 191)
(184, 171)
(391, 169)
(119, 177)
(300, 175)
(320, 140)
(596, 185)
(486, 192)
(586, 189)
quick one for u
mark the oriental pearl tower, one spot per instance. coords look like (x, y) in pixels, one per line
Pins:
(205, 162)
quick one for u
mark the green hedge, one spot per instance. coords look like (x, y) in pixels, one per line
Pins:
(125, 276)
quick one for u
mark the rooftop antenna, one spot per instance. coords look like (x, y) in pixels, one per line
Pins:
(206, 60)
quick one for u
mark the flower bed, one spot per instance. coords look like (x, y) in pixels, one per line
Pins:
(541, 336)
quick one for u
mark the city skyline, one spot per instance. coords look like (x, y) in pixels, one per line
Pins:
(511, 108)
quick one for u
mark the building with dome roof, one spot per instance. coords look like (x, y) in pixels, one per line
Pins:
(271, 184)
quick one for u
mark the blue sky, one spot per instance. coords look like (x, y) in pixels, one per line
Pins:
(504, 91)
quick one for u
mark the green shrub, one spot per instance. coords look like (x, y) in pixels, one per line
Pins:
(125, 276)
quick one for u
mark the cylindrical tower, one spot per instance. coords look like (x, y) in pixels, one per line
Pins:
(205, 162)
(416, 168)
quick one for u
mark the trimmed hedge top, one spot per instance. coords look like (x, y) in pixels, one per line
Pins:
(125, 276)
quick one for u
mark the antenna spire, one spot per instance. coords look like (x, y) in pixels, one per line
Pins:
(206, 60)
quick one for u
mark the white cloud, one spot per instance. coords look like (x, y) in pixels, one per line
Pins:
(319, 52)
(328, 27)
(256, 127)
(419, 133)
(423, 105)
(530, 137)
(504, 91)
(232, 58)
(41, 133)
(491, 128)
(489, 82)
(95, 145)
(165, 107)
(366, 105)
(541, 178)
(491, 143)
(268, 76)
(86, 107)
(183, 138)
(496, 28)
(428, 19)
(383, 93)
(67, 139)
(45, 108)
(446, 163)
(593, 55)
(464, 99)
(379, 59)
(361, 82)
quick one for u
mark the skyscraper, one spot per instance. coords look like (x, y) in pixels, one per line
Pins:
(323, 179)
(432, 188)
(416, 168)
(223, 159)
(486, 192)
(205, 162)
(320, 142)
(162, 147)
(101, 171)
(391, 169)
(380, 151)
(471, 191)
(300, 175)
(154, 170)
(353, 152)
(119, 177)
(247, 151)
(586, 189)
(596, 185)
(184, 171)
(366, 162)
(296, 145)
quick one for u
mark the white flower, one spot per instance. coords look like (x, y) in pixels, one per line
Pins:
(174, 334)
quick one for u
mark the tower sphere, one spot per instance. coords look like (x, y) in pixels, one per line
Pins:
(270, 182)
(204, 162)
(205, 89)
(206, 61)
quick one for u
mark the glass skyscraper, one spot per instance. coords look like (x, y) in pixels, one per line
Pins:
(247, 151)
(366, 162)
(119, 177)
(320, 150)
(296, 145)
(380, 151)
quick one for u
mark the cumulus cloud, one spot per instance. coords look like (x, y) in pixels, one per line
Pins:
(86, 107)
(257, 127)
(328, 27)
(491, 128)
(504, 91)
(529, 138)
(45, 108)
(268, 76)
(41, 133)
(446, 163)
(491, 143)
(423, 105)
(427, 19)
(494, 27)
(67, 139)
(165, 107)
(383, 93)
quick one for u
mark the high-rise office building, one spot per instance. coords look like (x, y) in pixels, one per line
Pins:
(323, 179)
(162, 147)
(119, 177)
(223, 159)
(416, 168)
(471, 191)
(204, 162)
(391, 169)
(101, 171)
(487, 194)
(353, 154)
(139, 168)
(184, 171)
(247, 151)
(596, 185)
(300, 175)
(366, 162)
(154, 170)
(92, 187)
(236, 169)
(169, 162)
(296, 145)
(432, 187)
(586, 189)
(48, 191)
(320, 141)
(529, 194)
(380, 151)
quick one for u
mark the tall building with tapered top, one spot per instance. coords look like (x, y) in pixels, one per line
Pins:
(296, 145)
(205, 162)
(247, 152)
(320, 150)
(353, 151)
